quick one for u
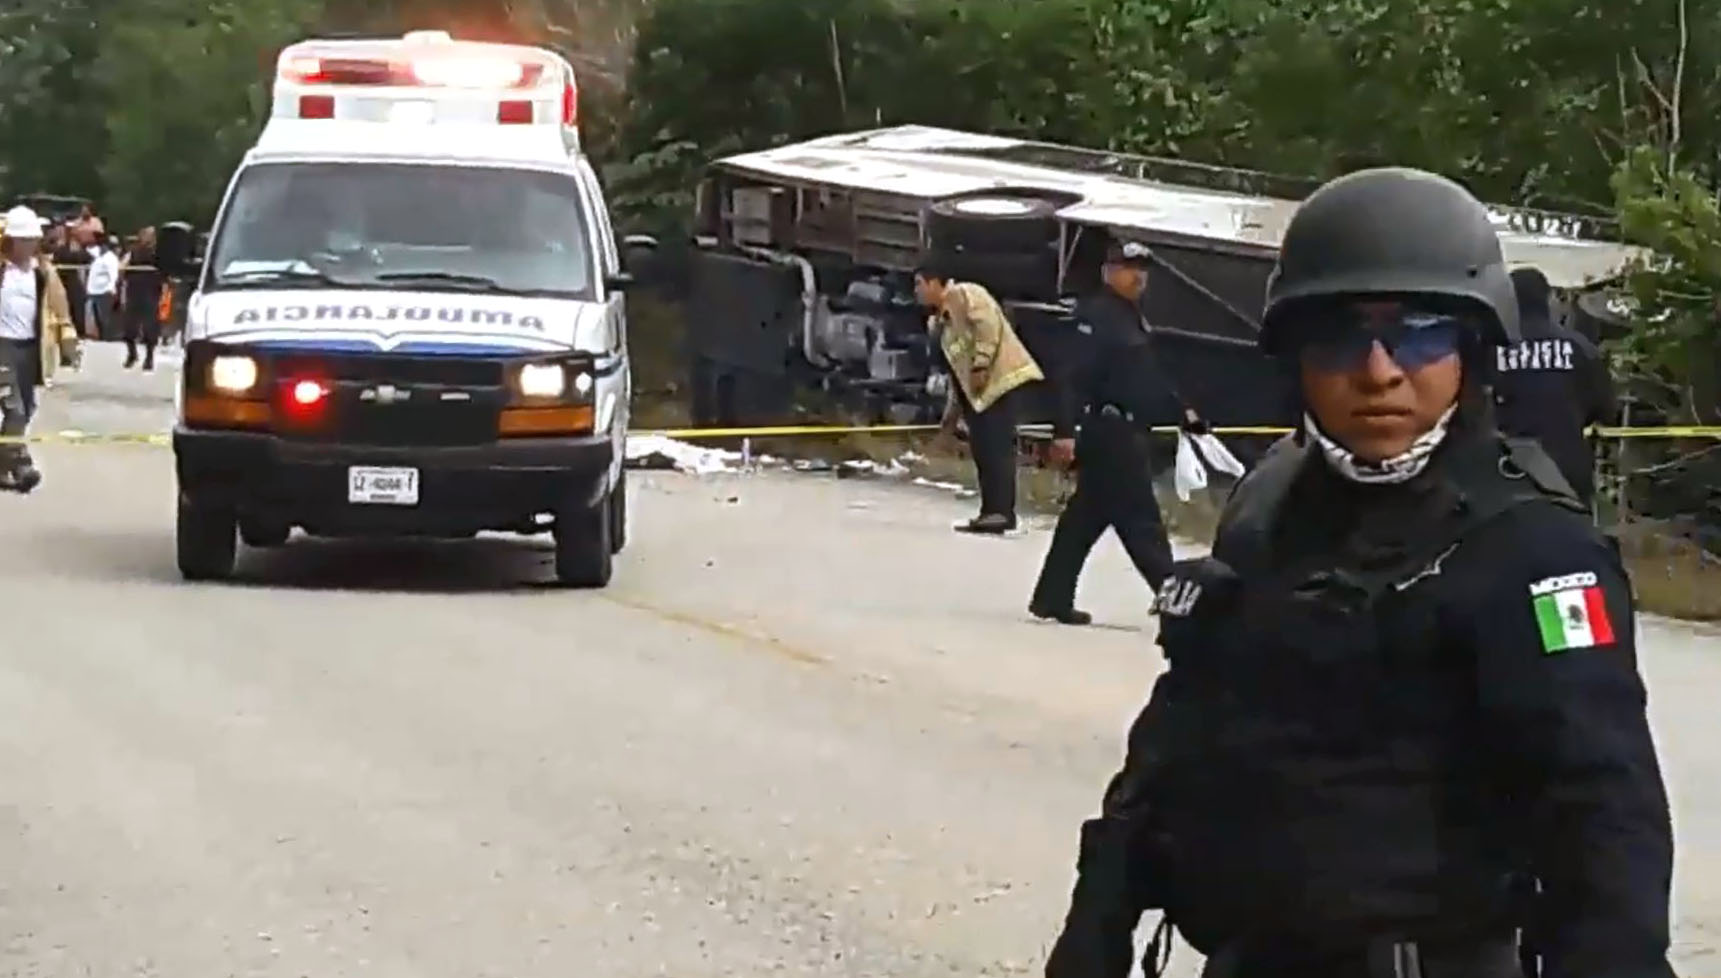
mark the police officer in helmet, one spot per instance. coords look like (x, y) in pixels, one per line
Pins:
(1401, 732)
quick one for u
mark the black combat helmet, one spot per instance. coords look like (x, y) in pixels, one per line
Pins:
(1391, 230)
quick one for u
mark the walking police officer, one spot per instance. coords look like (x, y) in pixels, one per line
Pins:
(1117, 388)
(1402, 730)
(1553, 384)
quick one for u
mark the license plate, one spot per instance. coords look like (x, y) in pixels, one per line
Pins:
(382, 486)
(412, 113)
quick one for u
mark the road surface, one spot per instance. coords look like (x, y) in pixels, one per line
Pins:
(809, 731)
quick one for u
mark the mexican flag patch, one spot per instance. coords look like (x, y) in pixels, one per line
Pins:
(1571, 612)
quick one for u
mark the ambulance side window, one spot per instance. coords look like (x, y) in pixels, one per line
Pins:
(601, 226)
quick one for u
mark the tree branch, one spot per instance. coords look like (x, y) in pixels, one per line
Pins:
(837, 67)
(1674, 125)
(1648, 79)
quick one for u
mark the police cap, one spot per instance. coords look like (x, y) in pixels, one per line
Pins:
(1122, 252)
(1391, 230)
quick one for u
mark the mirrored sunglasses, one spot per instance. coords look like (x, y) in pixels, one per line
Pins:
(1342, 339)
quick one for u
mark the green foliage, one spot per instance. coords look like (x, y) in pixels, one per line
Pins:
(51, 138)
(1529, 101)
(1676, 340)
(203, 77)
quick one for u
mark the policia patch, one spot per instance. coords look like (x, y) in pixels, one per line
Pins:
(1571, 612)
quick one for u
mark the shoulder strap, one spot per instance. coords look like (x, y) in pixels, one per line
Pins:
(1483, 479)
(1525, 458)
(1483, 482)
(1245, 526)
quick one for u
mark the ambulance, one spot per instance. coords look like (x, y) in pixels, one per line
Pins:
(409, 319)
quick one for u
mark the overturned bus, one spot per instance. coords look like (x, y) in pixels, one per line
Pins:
(802, 274)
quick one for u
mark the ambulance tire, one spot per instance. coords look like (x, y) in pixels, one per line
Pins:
(207, 540)
(994, 222)
(585, 550)
(618, 514)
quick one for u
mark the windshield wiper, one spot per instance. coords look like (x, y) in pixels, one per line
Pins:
(480, 282)
(300, 274)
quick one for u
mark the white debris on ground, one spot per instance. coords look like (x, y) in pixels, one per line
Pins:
(945, 486)
(659, 452)
(662, 452)
(894, 469)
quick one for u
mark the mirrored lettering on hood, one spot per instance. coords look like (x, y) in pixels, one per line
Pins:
(453, 315)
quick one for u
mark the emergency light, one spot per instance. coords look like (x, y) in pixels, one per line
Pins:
(304, 405)
(425, 77)
(308, 393)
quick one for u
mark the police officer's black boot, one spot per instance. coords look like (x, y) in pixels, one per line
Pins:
(993, 524)
(1063, 616)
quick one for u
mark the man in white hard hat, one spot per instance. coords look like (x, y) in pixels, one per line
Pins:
(32, 306)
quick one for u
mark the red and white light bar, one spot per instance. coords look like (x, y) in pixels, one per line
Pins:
(426, 76)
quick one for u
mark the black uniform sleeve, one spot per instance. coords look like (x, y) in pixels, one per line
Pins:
(1072, 380)
(1114, 880)
(1123, 870)
(1066, 400)
(1564, 713)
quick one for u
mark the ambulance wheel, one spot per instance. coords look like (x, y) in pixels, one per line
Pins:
(995, 222)
(207, 541)
(618, 514)
(263, 533)
(585, 550)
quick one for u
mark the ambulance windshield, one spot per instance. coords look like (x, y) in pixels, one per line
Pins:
(406, 227)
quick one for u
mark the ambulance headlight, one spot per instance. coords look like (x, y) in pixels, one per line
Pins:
(546, 380)
(233, 374)
(583, 384)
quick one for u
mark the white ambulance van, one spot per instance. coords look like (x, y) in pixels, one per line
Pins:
(409, 319)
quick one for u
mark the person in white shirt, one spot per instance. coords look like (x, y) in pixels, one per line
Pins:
(32, 305)
(102, 286)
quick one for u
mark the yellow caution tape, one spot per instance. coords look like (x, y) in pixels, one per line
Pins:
(87, 438)
(793, 431)
(788, 431)
(1685, 431)
(1676, 431)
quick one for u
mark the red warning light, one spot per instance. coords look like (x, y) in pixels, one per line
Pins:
(304, 404)
(309, 393)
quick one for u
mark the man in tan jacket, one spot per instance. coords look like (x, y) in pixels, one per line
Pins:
(987, 364)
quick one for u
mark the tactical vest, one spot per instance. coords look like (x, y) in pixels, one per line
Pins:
(1487, 478)
(1305, 734)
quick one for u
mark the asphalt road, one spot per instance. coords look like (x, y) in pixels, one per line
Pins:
(808, 731)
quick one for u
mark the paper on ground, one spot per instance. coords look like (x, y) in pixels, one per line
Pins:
(685, 457)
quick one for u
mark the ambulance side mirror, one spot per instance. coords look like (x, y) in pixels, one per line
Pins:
(639, 258)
